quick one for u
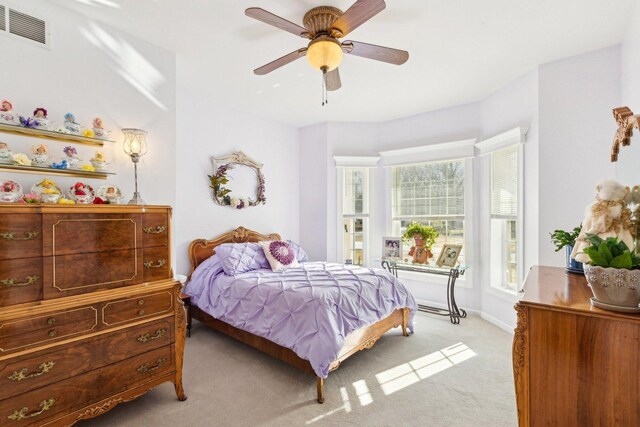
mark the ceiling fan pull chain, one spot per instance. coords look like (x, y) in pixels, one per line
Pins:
(324, 87)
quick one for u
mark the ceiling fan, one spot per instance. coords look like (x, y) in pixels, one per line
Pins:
(324, 25)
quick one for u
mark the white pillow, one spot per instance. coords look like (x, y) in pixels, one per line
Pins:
(280, 255)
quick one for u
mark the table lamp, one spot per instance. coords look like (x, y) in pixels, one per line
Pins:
(135, 145)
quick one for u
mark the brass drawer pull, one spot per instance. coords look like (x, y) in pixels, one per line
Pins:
(159, 229)
(145, 368)
(148, 337)
(22, 373)
(161, 263)
(30, 280)
(28, 235)
(53, 333)
(51, 321)
(140, 302)
(140, 312)
(22, 414)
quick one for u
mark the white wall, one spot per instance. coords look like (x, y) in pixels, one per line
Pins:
(205, 129)
(576, 97)
(94, 70)
(631, 63)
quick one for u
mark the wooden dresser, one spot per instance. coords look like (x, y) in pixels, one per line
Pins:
(573, 364)
(90, 315)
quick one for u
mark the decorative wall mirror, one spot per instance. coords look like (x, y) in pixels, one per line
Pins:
(235, 178)
(625, 153)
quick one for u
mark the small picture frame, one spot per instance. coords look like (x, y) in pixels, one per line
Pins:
(392, 248)
(449, 255)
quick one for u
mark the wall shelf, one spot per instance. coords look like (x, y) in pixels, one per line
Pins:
(47, 134)
(79, 173)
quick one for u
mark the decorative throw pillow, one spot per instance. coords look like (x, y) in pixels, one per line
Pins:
(301, 255)
(236, 258)
(280, 255)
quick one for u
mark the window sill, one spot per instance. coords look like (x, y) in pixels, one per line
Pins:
(436, 279)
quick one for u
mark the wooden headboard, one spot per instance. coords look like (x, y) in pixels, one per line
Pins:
(201, 249)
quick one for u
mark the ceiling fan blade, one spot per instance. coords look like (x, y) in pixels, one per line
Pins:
(379, 53)
(274, 65)
(359, 13)
(333, 80)
(271, 19)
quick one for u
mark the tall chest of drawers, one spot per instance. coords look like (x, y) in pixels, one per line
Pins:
(90, 315)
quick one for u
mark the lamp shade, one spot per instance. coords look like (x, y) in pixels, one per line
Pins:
(324, 53)
(135, 142)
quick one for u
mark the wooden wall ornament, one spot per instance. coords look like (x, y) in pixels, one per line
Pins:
(626, 122)
(218, 181)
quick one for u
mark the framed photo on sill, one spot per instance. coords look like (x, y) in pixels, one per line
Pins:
(449, 255)
(392, 248)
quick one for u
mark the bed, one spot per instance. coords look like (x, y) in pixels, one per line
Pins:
(202, 251)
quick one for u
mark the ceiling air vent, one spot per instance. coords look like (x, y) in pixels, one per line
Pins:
(3, 18)
(27, 26)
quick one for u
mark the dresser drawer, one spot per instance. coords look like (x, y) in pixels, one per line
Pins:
(157, 264)
(134, 309)
(155, 229)
(20, 334)
(20, 235)
(80, 273)
(56, 400)
(66, 234)
(20, 280)
(30, 372)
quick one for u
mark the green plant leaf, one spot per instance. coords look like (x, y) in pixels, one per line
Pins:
(622, 261)
(596, 258)
(605, 252)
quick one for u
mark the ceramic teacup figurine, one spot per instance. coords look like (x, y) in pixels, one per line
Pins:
(40, 155)
(6, 112)
(70, 124)
(99, 162)
(98, 128)
(5, 153)
(40, 118)
(71, 157)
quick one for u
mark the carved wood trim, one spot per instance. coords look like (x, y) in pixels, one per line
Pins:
(181, 331)
(521, 364)
(626, 122)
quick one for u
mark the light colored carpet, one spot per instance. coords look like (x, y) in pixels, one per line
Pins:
(443, 375)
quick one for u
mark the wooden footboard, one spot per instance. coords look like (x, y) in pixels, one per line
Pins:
(362, 339)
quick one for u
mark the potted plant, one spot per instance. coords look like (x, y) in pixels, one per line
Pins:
(567, 239)
(424, 236)
(613, 273)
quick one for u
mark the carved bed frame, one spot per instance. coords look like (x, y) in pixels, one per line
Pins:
(361, 339)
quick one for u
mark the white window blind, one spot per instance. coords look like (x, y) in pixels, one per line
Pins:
(504, 182)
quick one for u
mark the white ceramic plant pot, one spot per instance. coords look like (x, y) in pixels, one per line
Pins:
(614, 286)
(40, 160)
(99, 166)
(5, 155)
(85, 199)
(9, 197)
(50, 198)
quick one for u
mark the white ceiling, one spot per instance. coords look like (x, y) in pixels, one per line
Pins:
(460, 50)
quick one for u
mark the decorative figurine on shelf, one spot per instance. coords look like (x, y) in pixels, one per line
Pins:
(82, 193)
(5, 153)
(99, 130)
(40, 118)
(40, 155)
(62, 165)
(424, 236)
(99, 162)
(71, 125)
(608, 216)
(10, 191)
(72, 157)
(6, 112)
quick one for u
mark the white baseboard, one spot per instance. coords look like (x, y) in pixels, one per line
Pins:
(500, 324)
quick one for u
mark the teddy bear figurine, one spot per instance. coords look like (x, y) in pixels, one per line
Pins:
(608, 216)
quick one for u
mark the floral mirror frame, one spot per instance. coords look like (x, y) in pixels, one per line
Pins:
(221, 194)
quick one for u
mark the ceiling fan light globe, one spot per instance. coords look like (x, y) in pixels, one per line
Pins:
(324, 53)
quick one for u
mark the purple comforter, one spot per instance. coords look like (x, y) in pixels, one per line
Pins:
(310, 309)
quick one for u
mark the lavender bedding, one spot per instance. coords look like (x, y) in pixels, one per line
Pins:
(309, 309)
